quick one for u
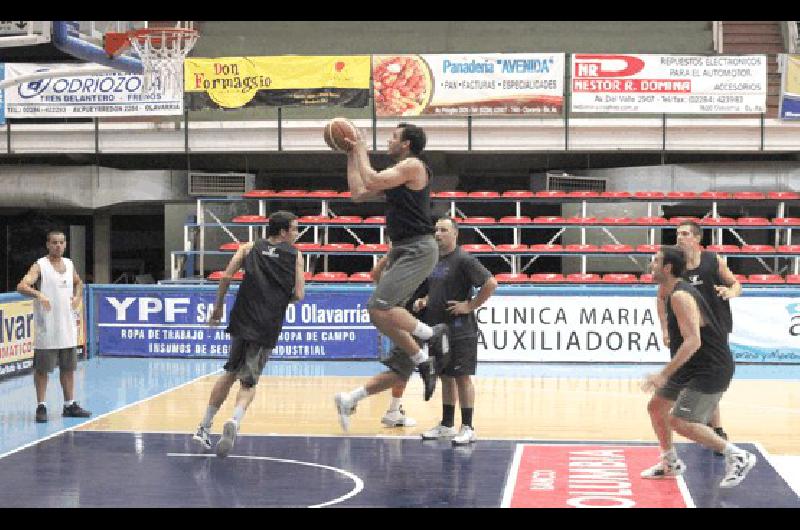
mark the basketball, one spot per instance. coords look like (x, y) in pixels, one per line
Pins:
(337, 130)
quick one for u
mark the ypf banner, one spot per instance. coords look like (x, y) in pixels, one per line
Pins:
(111, 94)
(473, 84)
(666, 84)
(790, 95)
(235, 82)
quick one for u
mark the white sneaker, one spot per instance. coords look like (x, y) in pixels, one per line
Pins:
(345, 407)
(202, 437)
(665, 469)
(736, 468)
(397, 418)
(465, 436)
(439, 432)
(225, 443)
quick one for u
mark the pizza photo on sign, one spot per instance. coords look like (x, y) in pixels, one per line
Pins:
(402, 84)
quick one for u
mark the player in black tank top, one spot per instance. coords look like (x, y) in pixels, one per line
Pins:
(700, 371)
(273, 278)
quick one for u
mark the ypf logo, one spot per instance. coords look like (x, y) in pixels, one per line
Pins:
(34, 88)
(794, 315)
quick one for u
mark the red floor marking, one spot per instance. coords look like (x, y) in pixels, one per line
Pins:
(591, 476)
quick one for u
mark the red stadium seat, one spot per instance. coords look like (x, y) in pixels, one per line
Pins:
(541, 247)
(783, 195)
(786, 221)
(517, 194)
(291, 193)
(583, 278)
(306, 247)
(484, 194)
(581, 248)
(752, 221)
(714, 221)
(373, 247)
(741, 278)
(346, 220)
(515, 220)
(322, 194)
(681, 219)
(477, 221)
(250, 219)
(546, 277)
(616, 248)
(217, 275)
(339, 247)
(313, 219)
(481, 247)
(581, 220)
(646, 278)
(715, 195)
(512, 248)
(615, 194)
(650, 221)
(360, 277)
(652, 249)
(757, 249)
(450, 194)
(548, 220)
(508, 277)
(724, 249)
(619, 278)
(583, 194)
(765, 278)
(344, 195)
(230, 246)
(649, 194)
(615, 221)
(745, 195)
(375, 220)
(257, 194)
(789, 249)
(553, 194)
(681, 194)
(307, 276)
(330, 277)
(793, 278)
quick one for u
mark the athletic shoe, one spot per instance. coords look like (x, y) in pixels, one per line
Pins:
(75, 411)
(201, 437)
(345, 407)
(428, 374)
(225, 443)
(465, 436)
(440, 432)
(722, 434)
(737, 466)
(665, 469)
(439, 343)
(41, 414)
(397, 418)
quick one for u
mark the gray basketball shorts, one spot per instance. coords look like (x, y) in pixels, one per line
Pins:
(410, 262)
(399, 362)
(690, 404)
(247, 360)
(45, 361)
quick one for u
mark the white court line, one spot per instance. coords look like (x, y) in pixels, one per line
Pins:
(775, 466)
(511, 478)
(684, 489)
(355, 491)
(62, 431)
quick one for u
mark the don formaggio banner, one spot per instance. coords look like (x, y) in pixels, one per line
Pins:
(235, 82)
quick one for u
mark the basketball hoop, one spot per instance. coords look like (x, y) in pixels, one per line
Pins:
(162, 52)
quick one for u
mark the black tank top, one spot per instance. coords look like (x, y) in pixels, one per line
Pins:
(704, 278)
(711, 367)
(408, 211)
(268, 285)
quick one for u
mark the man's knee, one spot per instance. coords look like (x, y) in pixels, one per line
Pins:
(677, 424)
(658, 405)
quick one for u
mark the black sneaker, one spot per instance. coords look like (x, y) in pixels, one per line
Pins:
(439, 343)
(41, 414)
(75, 411)
(722, 434)
(428, 375)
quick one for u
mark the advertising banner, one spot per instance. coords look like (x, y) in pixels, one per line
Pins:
(280, 81)
(464, 84)
(16, 337)
(790, 95)
(2, 95)
(112, 94)
(168, 324)
(669, 84)
(776, 338)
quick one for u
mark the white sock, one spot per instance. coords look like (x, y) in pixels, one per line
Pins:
(395, 404)
(211, 411)
(422, 331)
(358, 394)
(421, 356)
(68, 403)
(43, 403)
(670, 456)
(731, 450)
(238, 414)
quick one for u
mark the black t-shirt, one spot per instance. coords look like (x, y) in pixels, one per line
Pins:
(711, 367)
(453, 279)
(704, 278)
(408, 212)
(265, 292)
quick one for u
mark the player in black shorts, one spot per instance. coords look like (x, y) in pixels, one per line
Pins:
(273, 278)
(447, 298)
(693, 381)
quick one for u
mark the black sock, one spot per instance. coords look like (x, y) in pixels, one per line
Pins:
(448, 415)
(466, 416)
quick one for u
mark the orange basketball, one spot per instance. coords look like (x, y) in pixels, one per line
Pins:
(337, 130)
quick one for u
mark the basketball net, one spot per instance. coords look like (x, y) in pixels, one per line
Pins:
(162, 52)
